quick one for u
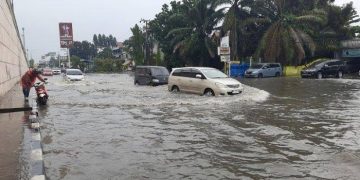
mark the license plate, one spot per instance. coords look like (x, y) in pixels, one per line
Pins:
(236, 92)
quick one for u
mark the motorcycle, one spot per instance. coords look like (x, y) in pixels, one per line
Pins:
(41, 93)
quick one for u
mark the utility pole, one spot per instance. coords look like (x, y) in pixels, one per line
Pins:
(147, 43)
(24, 44)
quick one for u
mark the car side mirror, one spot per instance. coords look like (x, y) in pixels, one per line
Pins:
(199, 76)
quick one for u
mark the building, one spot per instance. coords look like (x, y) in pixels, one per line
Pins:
(350, 52)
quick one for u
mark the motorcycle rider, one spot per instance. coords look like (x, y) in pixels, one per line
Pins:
(28, 80)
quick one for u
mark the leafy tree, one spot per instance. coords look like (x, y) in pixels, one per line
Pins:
(160, 28)
(192, 40)
(31, 63)
(106, 53)
(135, 45)
(339, 26)
(76, 62)
(100, 41)
(84, 50)
(288, 38)
(108, 65)
(95, 40)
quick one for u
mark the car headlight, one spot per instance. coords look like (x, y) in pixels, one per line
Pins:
(220, 85)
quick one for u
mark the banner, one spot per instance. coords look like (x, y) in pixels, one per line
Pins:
(66, 35)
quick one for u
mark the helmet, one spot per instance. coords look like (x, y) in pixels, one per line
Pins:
(36, 71)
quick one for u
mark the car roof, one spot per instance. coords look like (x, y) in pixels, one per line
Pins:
(73, 70)
(150, 67)
(199, 68)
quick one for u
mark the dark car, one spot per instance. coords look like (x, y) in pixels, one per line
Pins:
(151, 75)
(324, 68)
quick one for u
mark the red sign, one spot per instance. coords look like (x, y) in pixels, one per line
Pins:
(66, 35)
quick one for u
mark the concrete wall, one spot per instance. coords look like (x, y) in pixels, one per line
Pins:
(12, 57)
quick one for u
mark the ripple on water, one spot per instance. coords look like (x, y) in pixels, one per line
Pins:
(106, 127)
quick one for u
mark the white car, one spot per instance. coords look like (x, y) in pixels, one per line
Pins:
(74, 75)
(56, 71)
(203, 81)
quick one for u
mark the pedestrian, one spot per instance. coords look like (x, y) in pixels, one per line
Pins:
(28, 80)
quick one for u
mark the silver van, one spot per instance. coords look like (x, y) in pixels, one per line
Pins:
(264, 70)
(203, 81)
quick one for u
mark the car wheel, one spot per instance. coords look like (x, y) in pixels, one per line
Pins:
(136, 83)
(175, 89)
(260, 75)
(340, 74)
(277, 74)
(319, 75)
(209, 92)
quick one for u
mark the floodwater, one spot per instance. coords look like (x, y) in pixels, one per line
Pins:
(279, 128)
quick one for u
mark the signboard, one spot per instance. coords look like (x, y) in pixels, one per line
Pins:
(351, 53)
(225, 42)
(225, 58)
(224, 48)
(66, 35)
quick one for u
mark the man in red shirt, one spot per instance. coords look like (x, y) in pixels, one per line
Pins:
(28, 80)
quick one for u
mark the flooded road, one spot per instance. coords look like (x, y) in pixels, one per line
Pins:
(283, 128)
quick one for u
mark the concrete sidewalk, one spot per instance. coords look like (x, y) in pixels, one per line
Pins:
(11, 134)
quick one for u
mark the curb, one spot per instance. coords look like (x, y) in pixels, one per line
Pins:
(36, 155)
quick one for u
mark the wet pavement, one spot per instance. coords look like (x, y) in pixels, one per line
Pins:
(279, 128)
(11, 136)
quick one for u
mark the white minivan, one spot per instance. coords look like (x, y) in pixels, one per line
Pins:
(203, 81)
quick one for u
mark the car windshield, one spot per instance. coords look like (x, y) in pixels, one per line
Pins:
(74, 72)
(256, 66)
(214, 73)
(317, 64)
(159, 71)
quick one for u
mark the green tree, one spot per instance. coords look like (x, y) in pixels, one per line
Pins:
(192, 40)
(288, 38)
(31, 63)
(160, 28)
(95, 40)
(106, 53)
(339, 27)
(84, 50)
(76, 62)
(135, 45)
(241, 20)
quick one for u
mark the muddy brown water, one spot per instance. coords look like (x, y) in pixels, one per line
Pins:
(279, 128)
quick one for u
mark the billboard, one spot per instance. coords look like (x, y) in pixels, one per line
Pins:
(66, 35)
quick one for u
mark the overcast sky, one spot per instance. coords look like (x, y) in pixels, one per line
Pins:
(40, 19)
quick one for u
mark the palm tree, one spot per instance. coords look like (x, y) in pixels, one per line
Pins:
(237, 18)
(193, 41)
(288, 39)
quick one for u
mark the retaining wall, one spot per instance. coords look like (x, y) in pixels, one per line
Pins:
(12, 55)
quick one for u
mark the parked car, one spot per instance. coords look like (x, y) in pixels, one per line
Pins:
(73, 75)
(47, 72)
(203, 81)
(56, 71)
(264, 70)
(324, 68)
(151, 75)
